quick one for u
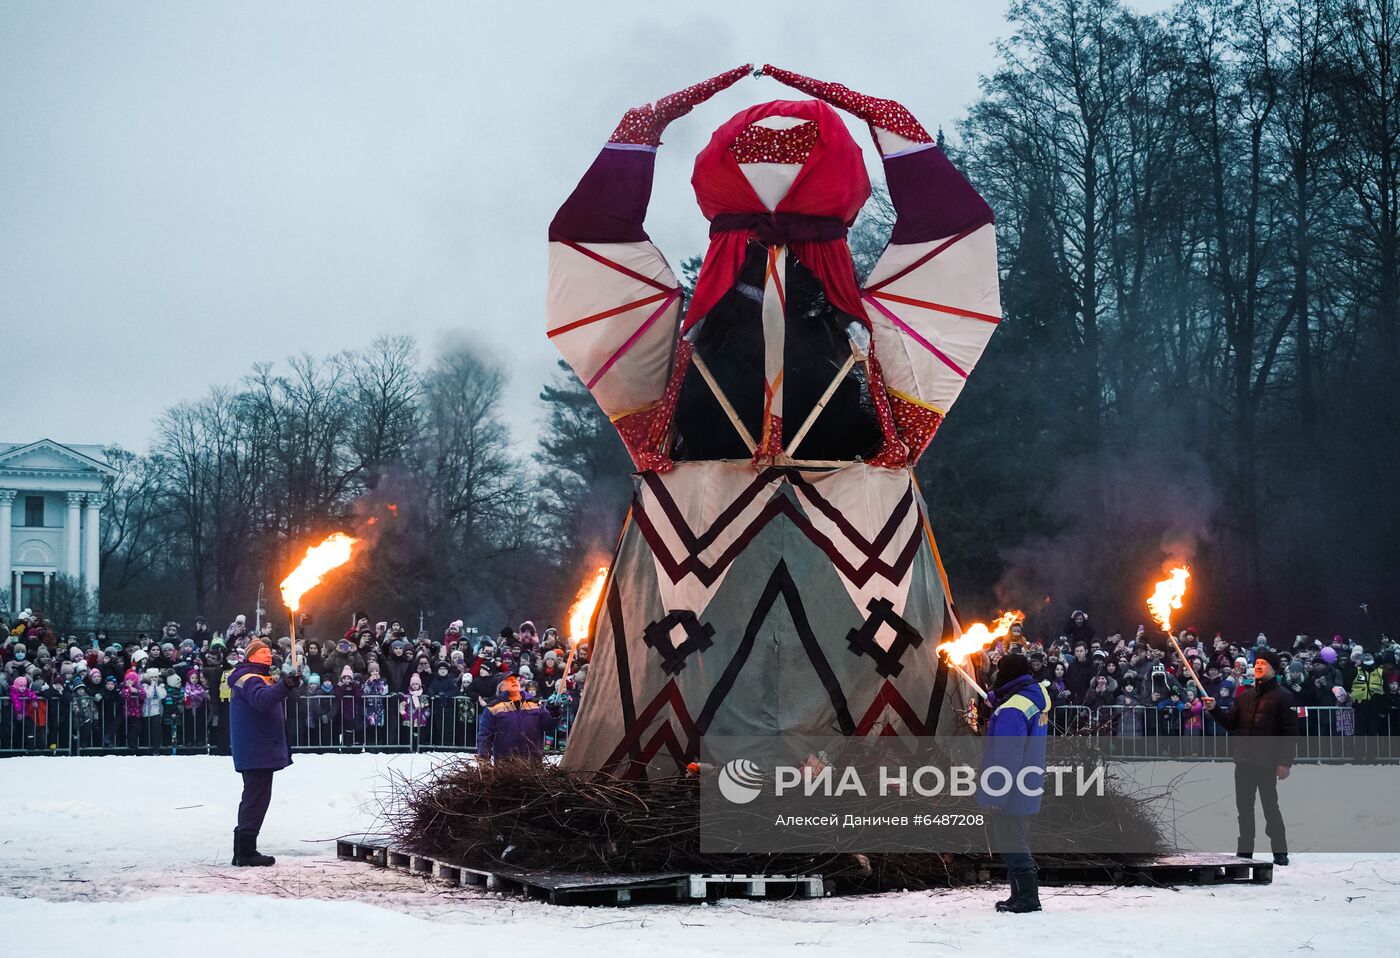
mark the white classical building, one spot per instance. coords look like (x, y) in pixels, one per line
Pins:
(51, 499)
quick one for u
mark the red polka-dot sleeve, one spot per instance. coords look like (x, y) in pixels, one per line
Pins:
(880, 114)
(643, 125)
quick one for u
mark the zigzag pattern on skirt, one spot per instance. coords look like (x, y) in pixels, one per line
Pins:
(780, 504)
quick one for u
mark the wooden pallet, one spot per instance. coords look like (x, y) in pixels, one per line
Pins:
(1173, 870)
(572, 888)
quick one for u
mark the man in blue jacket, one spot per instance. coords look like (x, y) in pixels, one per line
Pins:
(513, 726)
(258, 736)
(1014, 745)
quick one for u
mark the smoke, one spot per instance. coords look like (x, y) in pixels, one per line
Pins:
(1123, 519)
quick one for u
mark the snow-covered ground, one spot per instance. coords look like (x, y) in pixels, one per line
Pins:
(129, 856)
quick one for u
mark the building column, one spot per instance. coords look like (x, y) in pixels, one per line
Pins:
(72, 526)
(92, 543)
(7, 579)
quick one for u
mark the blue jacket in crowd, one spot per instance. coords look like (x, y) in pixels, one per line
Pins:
(1015, 739)
(257, 731)
(514, 729)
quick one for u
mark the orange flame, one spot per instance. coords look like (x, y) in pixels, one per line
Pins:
(1166, 595)
(320, 559)
(581, 612)
(977, 636)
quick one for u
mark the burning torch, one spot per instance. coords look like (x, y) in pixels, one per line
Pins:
(976, 638)
(1166, 596)
(332, 553)
(581, 617)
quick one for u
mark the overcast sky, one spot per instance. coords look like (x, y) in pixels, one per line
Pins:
(189, 188)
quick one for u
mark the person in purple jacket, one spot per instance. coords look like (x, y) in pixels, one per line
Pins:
(513, 726)
(258, 735)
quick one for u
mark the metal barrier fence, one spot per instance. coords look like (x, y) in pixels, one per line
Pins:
(1326, 733)
(315, 723)
(390, 723)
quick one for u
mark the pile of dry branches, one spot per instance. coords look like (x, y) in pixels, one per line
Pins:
(520, 816)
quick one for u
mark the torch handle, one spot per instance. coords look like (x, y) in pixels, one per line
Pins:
(966, 675)
(1186, 663)
(296, 662)
(568, 665)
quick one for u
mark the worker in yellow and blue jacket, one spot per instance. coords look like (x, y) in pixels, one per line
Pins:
(1014, 744)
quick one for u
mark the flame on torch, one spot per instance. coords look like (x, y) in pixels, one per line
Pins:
(977, 636)
(580, 618)
(1167, 595)
(581, 612)
(334, 552)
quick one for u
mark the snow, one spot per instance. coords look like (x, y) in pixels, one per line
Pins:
(119, 855)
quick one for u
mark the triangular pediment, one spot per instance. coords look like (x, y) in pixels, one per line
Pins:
(51, 456)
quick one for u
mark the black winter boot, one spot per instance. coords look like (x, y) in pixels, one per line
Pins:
(1025, 895)
(245, 851)
(1005, 902)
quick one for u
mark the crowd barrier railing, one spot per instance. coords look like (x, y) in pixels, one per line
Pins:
(319, 722)
(314, 723)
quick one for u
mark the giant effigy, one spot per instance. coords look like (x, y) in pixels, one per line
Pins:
(777, 573)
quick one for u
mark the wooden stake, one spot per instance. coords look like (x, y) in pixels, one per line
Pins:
(723, 401)
(821, 403)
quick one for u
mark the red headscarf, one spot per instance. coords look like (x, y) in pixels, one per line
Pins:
(832, 186)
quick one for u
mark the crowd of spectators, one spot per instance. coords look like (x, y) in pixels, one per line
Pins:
(374, 685)
(370, 685)
(1148, 689)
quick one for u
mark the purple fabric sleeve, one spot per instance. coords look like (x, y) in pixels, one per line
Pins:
(931, 198)
(609, 205)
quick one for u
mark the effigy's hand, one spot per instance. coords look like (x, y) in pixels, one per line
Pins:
(643, 125)
(879, 113)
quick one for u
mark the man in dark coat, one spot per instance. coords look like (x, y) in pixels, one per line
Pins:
(397, 667)
(1263, 723)
(1080, 672)
(259, 739)
(515, 726)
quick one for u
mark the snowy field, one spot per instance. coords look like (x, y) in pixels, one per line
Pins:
(129, 856)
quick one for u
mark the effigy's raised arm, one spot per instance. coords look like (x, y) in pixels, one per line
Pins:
(614, 303)
(609, 205)
(931, 198)
(932, 299)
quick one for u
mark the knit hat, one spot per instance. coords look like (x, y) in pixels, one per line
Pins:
(1013, 665)
(1270, 656)
(259, 652)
